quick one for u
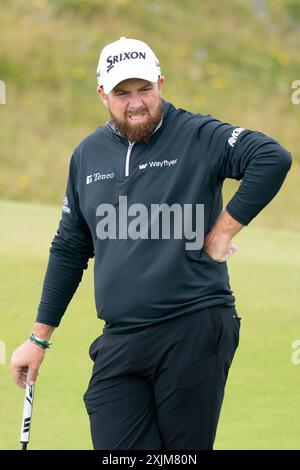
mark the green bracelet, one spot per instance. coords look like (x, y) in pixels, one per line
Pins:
(35, 339)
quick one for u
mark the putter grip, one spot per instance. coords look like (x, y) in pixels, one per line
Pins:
(27, 413)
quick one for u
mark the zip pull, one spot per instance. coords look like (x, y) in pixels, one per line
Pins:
(130, 145)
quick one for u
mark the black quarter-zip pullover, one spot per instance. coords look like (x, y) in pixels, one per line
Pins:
(140, 281)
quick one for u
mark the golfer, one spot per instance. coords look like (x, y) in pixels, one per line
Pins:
(144, 198)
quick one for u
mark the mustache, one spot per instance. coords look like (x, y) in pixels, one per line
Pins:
(137, 111)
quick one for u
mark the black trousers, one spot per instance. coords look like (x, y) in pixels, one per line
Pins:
(162, 388)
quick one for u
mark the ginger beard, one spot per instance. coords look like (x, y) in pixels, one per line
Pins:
(139, 131)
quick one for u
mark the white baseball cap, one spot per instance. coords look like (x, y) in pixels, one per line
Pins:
(126, 58)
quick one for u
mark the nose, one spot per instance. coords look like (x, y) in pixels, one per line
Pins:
(134, 102)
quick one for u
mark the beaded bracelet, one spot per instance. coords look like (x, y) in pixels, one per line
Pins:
(40, 342)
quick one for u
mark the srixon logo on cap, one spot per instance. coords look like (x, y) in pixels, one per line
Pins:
(112, 60)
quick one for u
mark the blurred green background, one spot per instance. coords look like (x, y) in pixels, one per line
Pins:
(236, 60)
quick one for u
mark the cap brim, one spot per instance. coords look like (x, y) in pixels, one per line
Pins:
(133, 72)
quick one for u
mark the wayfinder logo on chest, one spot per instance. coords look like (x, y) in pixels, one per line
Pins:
(112, 60)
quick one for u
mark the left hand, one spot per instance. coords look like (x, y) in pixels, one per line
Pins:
(219, 248)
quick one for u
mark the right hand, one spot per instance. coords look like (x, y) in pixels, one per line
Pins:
(27, 356)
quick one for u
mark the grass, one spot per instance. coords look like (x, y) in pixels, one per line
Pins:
(261, 406)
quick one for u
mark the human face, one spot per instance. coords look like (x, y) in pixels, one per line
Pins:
(135, 106)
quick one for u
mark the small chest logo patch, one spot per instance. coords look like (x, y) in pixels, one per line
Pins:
(157, 164)
(99, 176)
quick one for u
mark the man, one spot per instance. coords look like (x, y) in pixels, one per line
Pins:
(144, 196)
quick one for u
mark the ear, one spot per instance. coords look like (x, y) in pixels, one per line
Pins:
(161, 82)
(102, 95)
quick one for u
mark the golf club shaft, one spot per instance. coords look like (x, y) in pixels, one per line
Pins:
(27, 414)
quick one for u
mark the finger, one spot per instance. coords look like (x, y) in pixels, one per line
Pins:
(18, 376)
(24, 379)
(33, 376)
(21, 383)
(16, 373)
(230, 251)
(227, 256)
